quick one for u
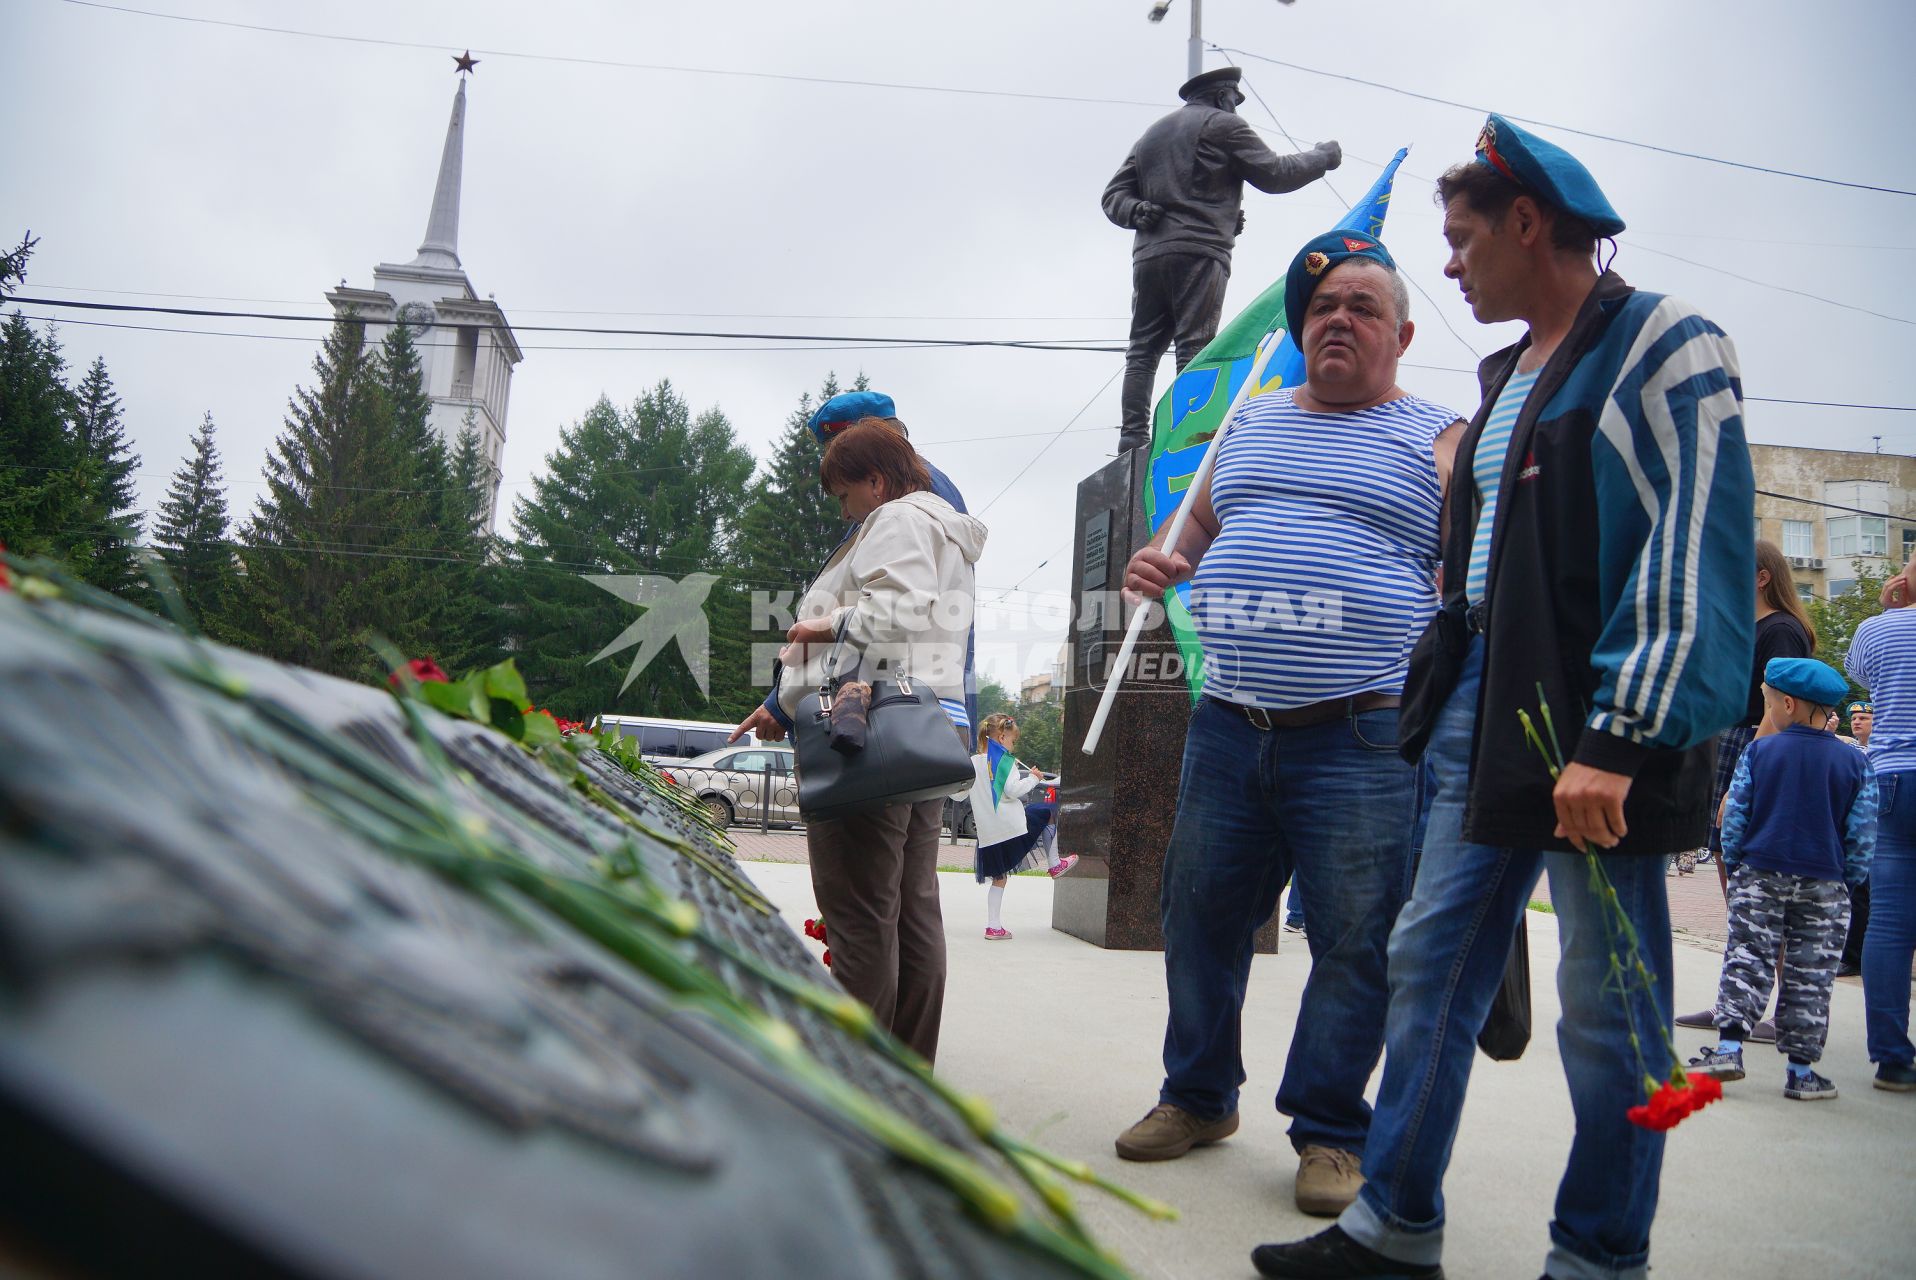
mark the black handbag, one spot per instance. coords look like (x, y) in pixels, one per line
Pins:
(1506, 1032)
(912, 751)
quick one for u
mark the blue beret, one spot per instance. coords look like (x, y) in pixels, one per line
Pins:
(1806, 678)
(842, 410)
(1547, 170)
(1314, 261)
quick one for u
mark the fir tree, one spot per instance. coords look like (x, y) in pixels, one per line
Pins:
(109, 526)
(13, 264)
(470, 628)
(440, 539)
(43, 476)
(650, 491)
(334, 550)
(190, 530)
(791, 524)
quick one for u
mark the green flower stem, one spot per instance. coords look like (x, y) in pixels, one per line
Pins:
(1616, 922)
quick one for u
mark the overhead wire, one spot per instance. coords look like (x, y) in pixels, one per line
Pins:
(961, 90)
(1629, 240)
(1055, 437)
(598, 331)
(569, 346)
(616, 63)
(1295, 146)
(585, 311)
(1563, 128)
(1108, 349)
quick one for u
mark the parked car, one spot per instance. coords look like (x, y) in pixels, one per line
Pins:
(960, 823)
(741, 784)
(661, 740)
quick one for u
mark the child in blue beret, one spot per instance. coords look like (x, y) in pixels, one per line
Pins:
(1799, 824)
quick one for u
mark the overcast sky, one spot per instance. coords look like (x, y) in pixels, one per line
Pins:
(160, 157)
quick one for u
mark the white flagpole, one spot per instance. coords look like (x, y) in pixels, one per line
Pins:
(1136, 628)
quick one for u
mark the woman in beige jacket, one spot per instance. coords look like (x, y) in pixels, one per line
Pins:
(902, 587)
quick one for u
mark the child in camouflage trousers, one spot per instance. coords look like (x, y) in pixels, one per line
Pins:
(1799, 822)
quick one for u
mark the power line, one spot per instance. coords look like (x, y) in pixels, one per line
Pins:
(1564, 128)
(1836, 506)
(584, 311)
(1630, 240)
(1114, 347)
(618, 64)
(1055, 437)
(1781, 288)
(890, 345)
(1048, 344)
(1340, 199)
(965, 91)
(350, 550)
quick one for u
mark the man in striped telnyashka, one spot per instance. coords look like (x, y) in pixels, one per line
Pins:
(1313, 552)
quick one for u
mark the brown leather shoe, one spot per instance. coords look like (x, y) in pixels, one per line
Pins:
(1327, 1180)
(1167, 1132)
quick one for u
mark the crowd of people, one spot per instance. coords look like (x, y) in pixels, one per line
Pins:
(1575, 551)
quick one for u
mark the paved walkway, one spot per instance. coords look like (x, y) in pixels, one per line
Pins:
(1696, 905)
(1696, 901)
(1063, 1038)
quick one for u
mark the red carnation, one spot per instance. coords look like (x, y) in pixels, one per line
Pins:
(6, 574)
(827, 957)
(424, 670)
(1672, 1102)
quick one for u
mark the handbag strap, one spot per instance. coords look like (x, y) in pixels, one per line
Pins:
(832, 681)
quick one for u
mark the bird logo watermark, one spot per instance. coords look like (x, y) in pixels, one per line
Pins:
(674, 612)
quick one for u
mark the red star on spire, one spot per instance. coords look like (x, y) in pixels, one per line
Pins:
(466, 62)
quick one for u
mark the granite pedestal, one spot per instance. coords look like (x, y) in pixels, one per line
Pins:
(1116, 807)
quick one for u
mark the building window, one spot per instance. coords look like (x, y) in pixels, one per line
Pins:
(1842, 587)
(1858, 536)
(1799, 538)
(1805, 592)
(1909, 544)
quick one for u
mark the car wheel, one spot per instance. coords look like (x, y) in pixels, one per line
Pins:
(719, 810)
(967, 826)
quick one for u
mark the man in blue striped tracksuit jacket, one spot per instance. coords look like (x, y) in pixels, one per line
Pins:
(1597, 560)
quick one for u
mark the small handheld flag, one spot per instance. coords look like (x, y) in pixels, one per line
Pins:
(998, 767)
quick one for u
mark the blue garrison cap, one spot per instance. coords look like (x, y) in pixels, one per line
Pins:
(1806, 678)
(843, 410)
(1547, 170)
(1314, 261)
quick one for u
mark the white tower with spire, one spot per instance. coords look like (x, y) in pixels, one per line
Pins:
(466, 348)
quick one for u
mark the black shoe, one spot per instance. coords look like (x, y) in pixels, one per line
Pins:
(1707, 1018)
(1332, 1255)
(1897, 1078)
(1848, 970)
(1129, 440)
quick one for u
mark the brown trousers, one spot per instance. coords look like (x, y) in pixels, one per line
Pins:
(876, 879)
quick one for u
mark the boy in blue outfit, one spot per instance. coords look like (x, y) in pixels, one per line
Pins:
(1798, 824)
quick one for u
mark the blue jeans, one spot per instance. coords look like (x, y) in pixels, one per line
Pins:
(1447, 957)
(1891, 938)
(1333, 806)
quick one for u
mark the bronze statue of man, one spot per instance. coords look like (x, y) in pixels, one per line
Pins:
(1182, 190)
